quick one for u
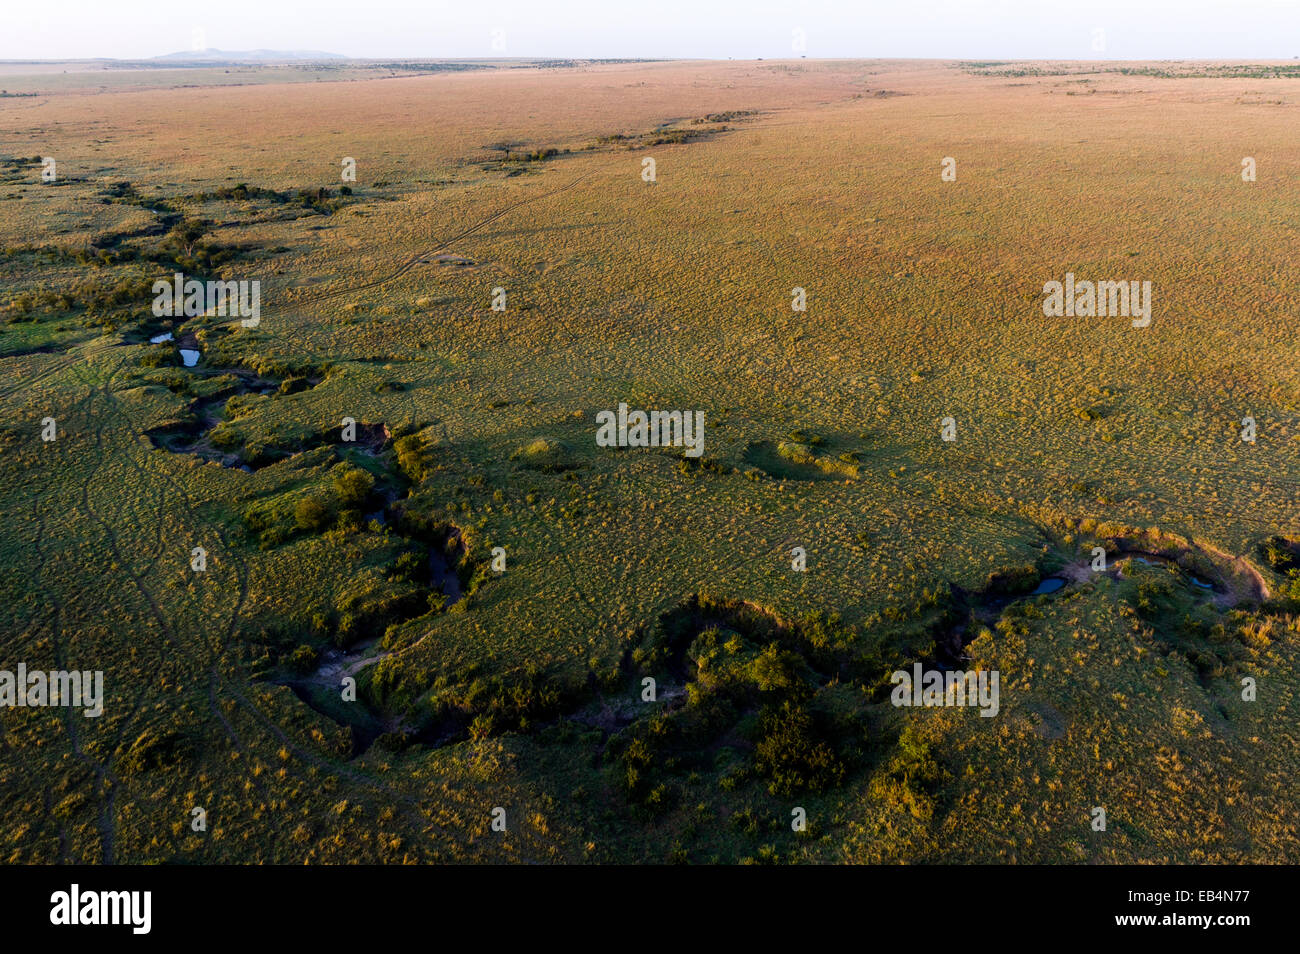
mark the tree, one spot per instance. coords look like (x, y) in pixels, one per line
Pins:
(311, 514)
(353, 485)
(791, 755)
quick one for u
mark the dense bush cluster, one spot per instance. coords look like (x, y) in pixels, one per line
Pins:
(753, 677)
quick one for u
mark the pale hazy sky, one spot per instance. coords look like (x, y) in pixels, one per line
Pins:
(1065, 29)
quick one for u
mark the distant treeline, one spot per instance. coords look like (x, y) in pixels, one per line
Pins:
(1191, 72)
(419, 67)
(319, 200)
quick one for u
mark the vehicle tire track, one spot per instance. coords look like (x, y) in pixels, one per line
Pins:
(415, 259)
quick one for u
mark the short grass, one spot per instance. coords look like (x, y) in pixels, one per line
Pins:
(822, 432)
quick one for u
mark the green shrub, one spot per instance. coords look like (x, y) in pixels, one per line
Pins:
(312, 515)
(303, 660)
(792, 756)
(353, 486)
(413, 458)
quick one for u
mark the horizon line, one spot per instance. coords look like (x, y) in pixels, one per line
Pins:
(326, 56)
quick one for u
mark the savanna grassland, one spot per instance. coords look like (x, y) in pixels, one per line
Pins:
(479, 688)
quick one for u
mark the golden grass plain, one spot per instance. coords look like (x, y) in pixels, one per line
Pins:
(924, 301)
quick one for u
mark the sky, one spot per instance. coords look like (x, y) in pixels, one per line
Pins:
(718, 29)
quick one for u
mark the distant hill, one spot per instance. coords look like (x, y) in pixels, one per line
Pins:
(248, 56)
